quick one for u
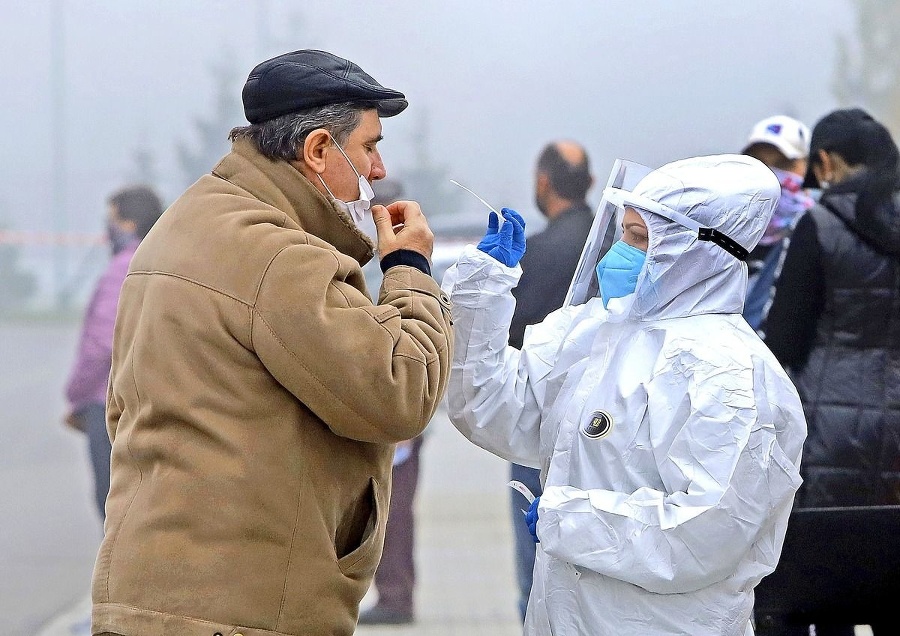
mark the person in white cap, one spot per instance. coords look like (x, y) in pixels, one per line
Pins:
(668, 436)
(782, 143)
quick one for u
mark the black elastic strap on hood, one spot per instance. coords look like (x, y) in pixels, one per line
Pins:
(724, 241)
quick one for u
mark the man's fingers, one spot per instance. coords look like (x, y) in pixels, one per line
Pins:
(383, 223)
(381, 215)
(404, 211)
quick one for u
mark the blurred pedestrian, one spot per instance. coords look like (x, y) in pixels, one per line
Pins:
(131, 212)
(668, 435)
(395, 578)
(834, 322)
(256, 391)
(562, 180)
(782, 143)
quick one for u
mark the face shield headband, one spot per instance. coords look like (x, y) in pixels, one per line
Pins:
(623, 199)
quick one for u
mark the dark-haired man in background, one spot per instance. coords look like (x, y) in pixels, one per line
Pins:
(562, 181)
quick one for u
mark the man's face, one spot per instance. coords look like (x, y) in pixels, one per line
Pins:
(361, 148)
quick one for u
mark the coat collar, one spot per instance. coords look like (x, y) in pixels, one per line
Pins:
(278, 184)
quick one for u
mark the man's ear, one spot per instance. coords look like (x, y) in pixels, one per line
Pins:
(828, 167)
(826, 162)
(542, 183)
(314, 150)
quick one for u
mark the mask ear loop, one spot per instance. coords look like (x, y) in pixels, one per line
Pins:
(359, 177)
(325, 185)
(352, 167)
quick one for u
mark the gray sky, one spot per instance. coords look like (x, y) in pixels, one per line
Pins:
(645, 80)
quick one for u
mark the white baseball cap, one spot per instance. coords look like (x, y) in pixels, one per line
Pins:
(787, 134)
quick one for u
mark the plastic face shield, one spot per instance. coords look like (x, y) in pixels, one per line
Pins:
(606, 229)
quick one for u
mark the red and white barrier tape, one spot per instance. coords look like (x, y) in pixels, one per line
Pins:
(15, 237)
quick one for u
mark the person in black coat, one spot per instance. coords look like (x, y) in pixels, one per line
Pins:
(835, 322)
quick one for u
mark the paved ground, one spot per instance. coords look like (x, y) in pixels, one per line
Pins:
(49, 532)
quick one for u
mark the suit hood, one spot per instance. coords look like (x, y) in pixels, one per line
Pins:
(685, 274)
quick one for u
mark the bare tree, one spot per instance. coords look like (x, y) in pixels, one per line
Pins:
(198, 158)
(143, 168)
(426, 181)
(867, 73)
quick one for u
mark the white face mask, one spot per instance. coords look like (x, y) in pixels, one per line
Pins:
(358, 209)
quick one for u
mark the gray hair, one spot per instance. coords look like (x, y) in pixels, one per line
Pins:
(278, 138)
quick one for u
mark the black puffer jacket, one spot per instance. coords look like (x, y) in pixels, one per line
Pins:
(835, 323)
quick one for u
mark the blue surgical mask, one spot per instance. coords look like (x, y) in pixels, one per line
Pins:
(617, 272)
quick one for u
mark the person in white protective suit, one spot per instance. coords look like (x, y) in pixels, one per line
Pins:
(668, 436)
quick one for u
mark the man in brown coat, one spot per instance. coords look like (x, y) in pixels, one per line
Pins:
(256, 392)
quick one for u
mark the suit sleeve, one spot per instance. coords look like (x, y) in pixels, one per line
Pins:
(371, 372)
(495, 392)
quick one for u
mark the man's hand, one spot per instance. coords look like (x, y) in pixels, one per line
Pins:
(402, 226)
(73, 421)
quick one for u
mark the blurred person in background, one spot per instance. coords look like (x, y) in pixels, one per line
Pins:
(562, 180)
(257, 392)
(131, 212)
(395, 578)
(835, 323)
(668, 436)
(782, 144)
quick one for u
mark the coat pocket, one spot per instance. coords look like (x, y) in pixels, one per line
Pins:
(362, 560)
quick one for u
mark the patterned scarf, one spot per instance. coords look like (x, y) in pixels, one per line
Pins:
(793, 202)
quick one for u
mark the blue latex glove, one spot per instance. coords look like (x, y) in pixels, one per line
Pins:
(507, 243)
(531, 519)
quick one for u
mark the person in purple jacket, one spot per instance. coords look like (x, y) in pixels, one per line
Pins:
(132, 212)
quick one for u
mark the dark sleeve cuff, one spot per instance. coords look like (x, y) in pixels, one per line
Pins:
(406, 257)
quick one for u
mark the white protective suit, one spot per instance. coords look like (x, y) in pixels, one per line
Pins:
(664, 520)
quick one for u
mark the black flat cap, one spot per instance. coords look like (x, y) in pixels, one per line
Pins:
(308, 78)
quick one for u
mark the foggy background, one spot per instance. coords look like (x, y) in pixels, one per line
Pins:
(102, 94)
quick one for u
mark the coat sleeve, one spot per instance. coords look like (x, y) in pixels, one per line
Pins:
(372, 373)
(727, 480)
(491, 398)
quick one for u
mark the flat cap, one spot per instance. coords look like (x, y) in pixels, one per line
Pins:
(309, 78)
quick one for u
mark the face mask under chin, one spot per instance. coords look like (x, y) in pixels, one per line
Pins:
(358, 209)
